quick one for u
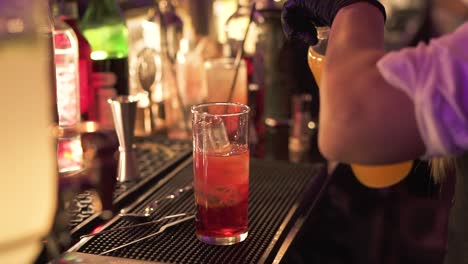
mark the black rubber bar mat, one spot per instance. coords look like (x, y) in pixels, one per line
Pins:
(156, 155)
(278, 191)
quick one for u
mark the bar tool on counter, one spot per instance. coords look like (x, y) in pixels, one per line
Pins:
(123, 113)
(136, 225)
(153, 205)
(161, 230)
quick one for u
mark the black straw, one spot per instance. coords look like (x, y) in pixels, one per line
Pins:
(240, 54)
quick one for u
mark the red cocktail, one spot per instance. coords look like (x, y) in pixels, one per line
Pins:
(222, 189)
(221, 175)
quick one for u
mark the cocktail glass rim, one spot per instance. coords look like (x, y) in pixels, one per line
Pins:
(196, 109)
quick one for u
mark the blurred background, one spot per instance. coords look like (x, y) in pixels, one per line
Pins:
(172, 54)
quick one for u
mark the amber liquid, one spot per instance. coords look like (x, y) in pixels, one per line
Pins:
(316, 62)
(378, 176)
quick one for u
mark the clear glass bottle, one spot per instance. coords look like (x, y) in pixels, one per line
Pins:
(67, 72)
(174, 27)
(177, 115)
(163, 14)
(68, 10)
(235, 28)
(157, 76)
(66, 53)
(191, 78)
(222, 10)
(151, 73)
(177, 119)
(301, 129)
(104, 27)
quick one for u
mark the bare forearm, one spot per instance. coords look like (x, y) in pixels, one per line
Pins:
(361, 114)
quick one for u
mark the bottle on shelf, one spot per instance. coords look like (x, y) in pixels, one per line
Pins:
(165, 85)
(274, 104)
(103, 25)
(174, 26)
(235, 27)
(69, 149)
(375, 176)
(191, 78)
(222, 10)
(160, 107)
(68, 12)
(234, 33)
(301, 129)
(67, 71)
(147, 67)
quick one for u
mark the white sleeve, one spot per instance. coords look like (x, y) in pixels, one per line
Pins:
(435, 77)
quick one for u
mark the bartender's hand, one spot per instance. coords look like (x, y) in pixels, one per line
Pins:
(300, 17)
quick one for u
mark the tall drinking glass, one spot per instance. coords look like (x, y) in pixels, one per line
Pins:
(221, 171)
(219, 77)
(28, 188)
(374, 176)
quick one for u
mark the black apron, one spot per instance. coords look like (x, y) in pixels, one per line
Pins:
(457, 248)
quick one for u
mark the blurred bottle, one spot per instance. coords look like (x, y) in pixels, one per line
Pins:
(103, 83)
(69, 151)
(222, 10)
(235, 28)
(156, 73)
(163, 14)
(174, 27)
(234, 33)
(67, 71)
(148, 64)
(302, 128)
(148, 67)
(191, 77)
(29, 168)
(270, 40)
(104, 27)
(376, 176)
(176, 110)
(68, 10)
(200, 15)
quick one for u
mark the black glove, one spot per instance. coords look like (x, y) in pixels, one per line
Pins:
(300, 17)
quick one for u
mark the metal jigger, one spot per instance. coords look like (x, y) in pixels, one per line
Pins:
(123, 112)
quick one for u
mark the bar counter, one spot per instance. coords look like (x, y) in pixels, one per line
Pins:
(298, 213)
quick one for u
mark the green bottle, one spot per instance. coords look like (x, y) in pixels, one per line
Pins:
(103, 25)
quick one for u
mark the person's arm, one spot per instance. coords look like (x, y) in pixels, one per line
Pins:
(363, 119)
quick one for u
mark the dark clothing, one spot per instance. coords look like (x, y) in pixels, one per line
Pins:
(457, 248)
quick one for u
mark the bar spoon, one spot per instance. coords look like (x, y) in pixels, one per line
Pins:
(162, 229)
(149, 210)
(137, 225)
